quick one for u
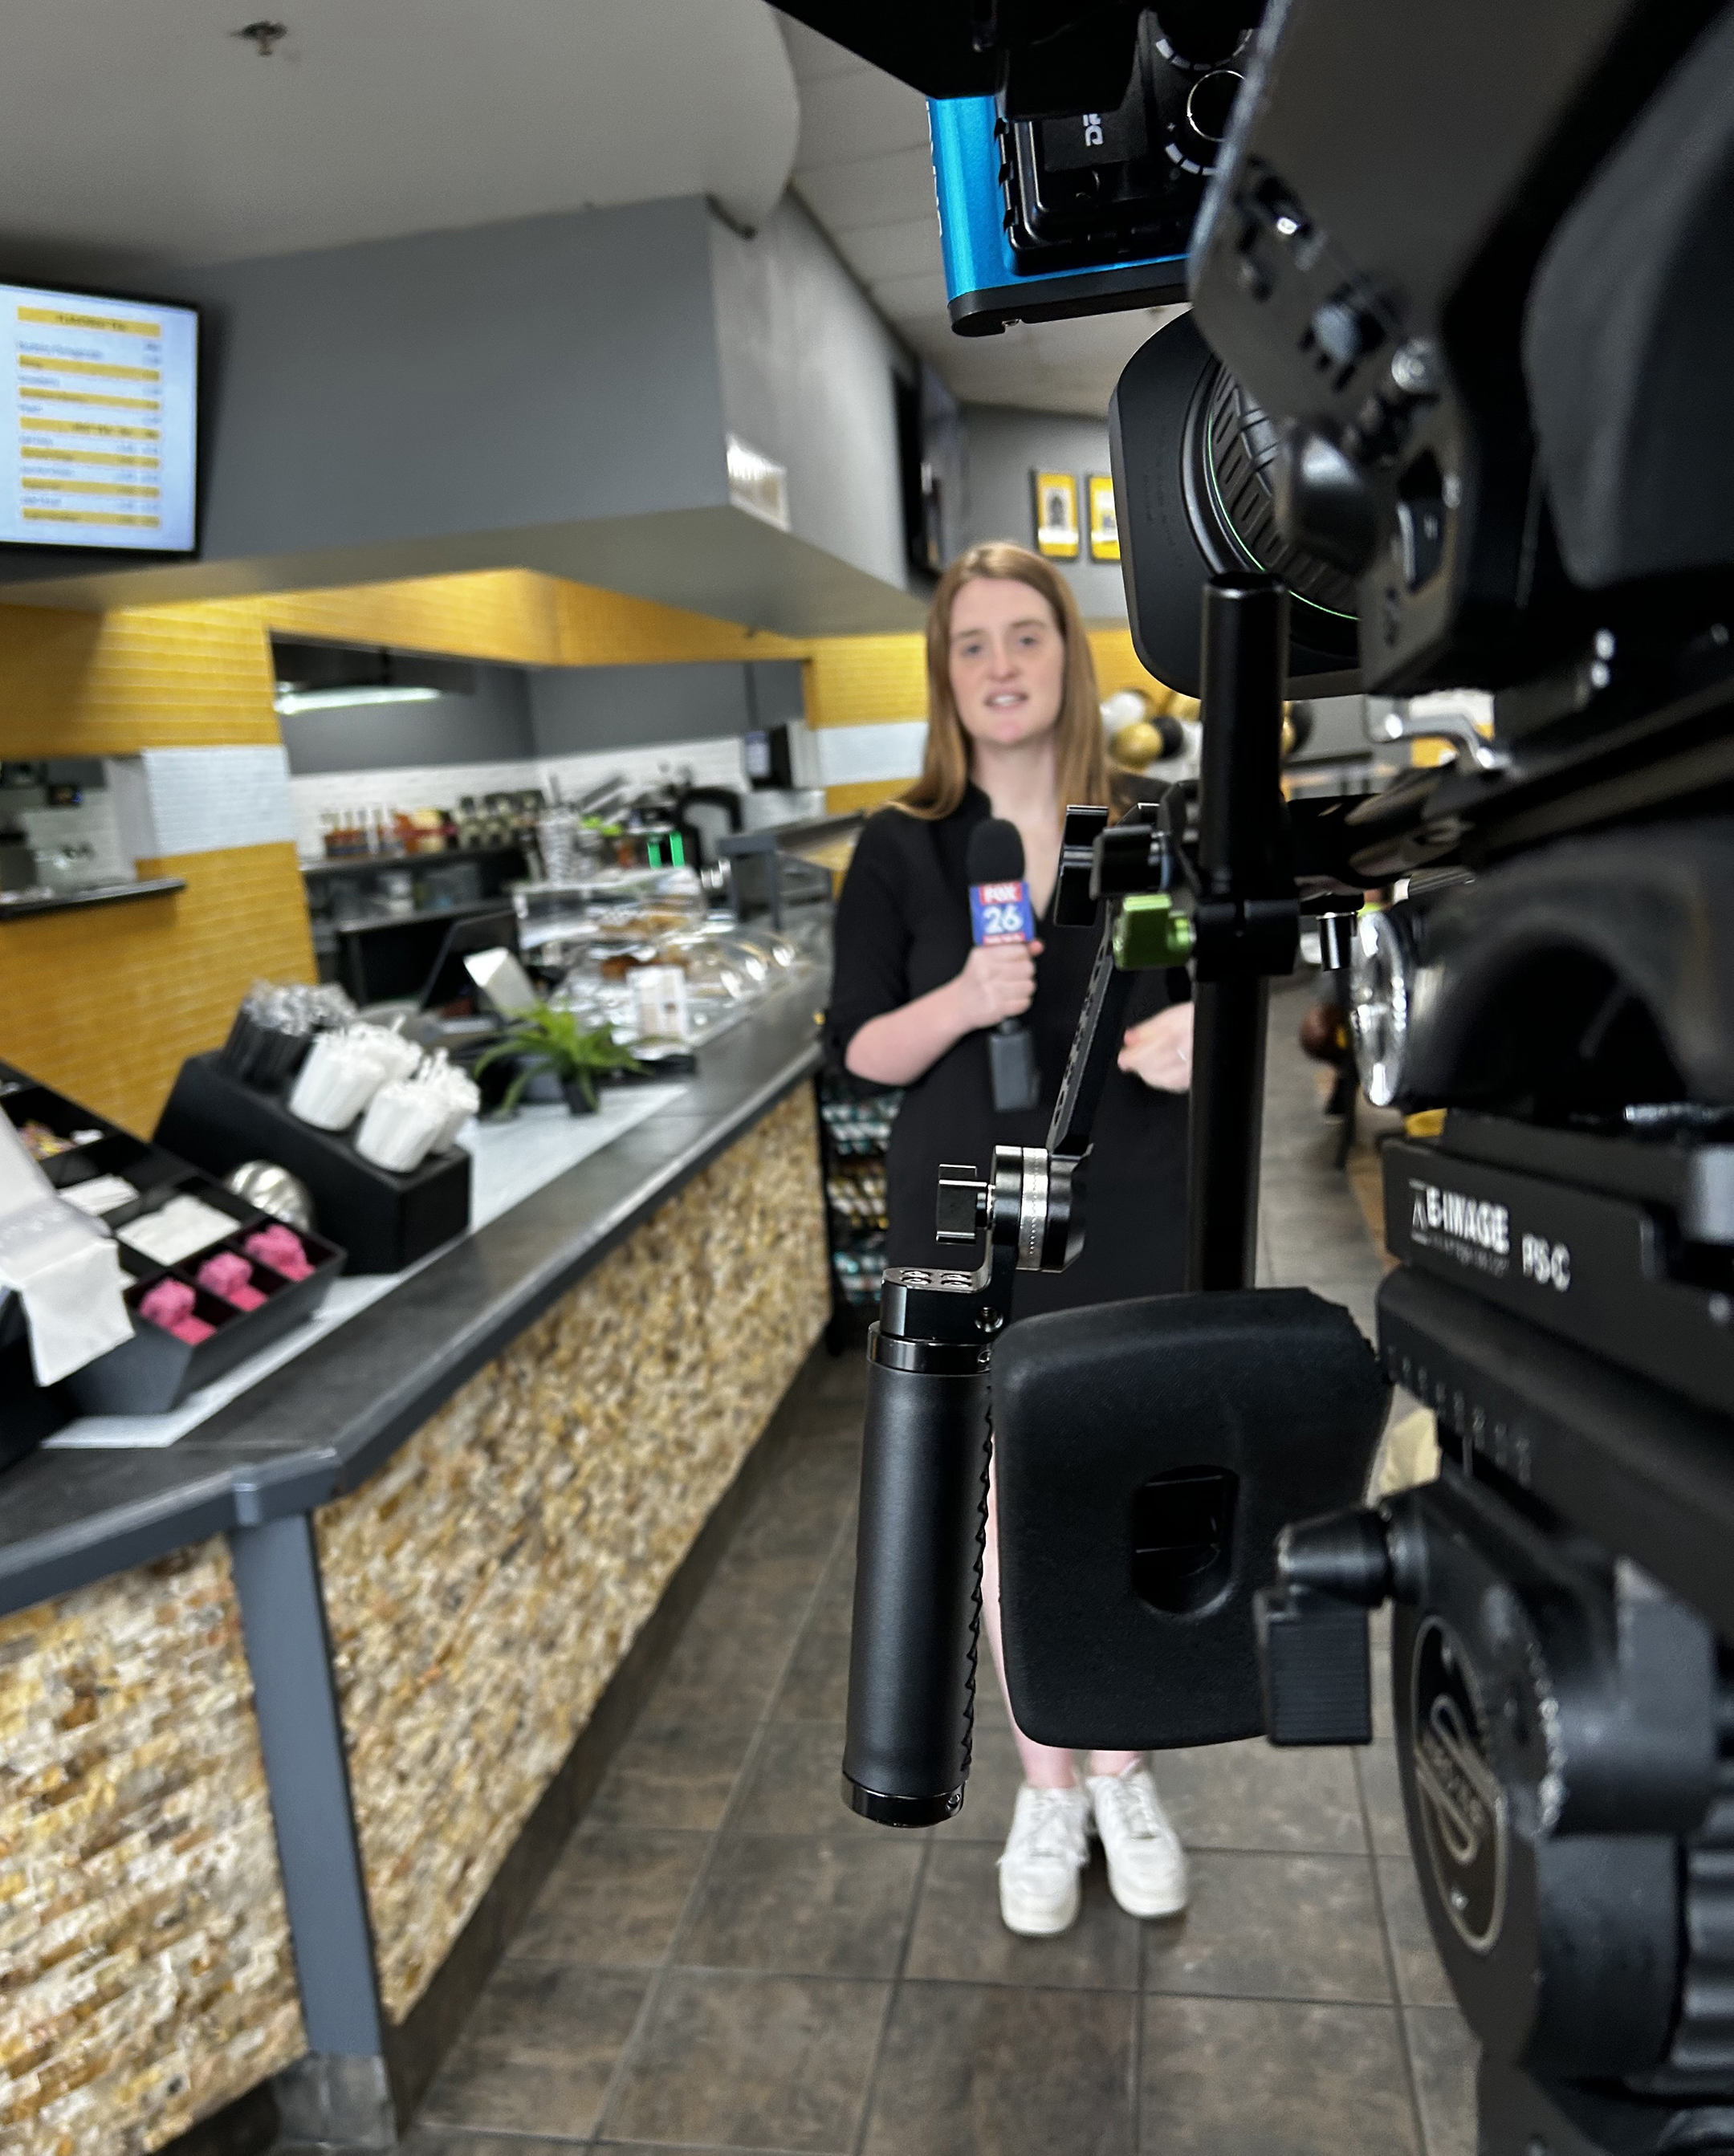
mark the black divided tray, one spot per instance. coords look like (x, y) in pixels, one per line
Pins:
(385, 1222)
(153, 1371)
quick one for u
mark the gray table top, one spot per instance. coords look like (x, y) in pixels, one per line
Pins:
(323, 1423)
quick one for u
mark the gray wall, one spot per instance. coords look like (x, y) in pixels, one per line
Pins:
(576, 709)
(492, 726)
(538, 372)
(1003, 447)
(807, 369)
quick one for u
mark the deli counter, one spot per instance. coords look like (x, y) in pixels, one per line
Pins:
(303, 1680)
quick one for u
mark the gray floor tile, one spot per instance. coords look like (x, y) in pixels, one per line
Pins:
(1375, 1768)
(975, 2071)
(839, 1377)
(815, 1684)
(1273, 1927)
(451, 2141)
(832, 1905)
(614, 1897)
(750, 2062)
(1252, 1796)
(1383, 1705)
(991, 1710)
(1444, 2055)
(833, 1604)
(672, 1777)
(535, 2055)
(795, 1785)
(798, 1515)
(757, 1584)
(996, 1774)
(959, 1936)
(1420, 1974)
(735, 1644)
(1246, 2077)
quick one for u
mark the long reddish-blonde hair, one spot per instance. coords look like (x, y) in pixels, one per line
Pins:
(1080, 760)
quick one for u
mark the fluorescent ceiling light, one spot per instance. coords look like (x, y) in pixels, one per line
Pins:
(291, 701)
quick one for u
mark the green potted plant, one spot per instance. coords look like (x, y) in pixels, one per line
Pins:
(545, 1038)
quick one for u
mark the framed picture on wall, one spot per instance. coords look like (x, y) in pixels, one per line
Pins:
(1056, 515)
(1104, 524)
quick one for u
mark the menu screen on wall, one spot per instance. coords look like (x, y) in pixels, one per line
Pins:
(100, 431)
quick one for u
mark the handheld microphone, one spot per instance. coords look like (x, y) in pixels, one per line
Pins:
(999, 912)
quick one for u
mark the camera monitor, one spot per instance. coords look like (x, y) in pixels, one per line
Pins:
(98, 433)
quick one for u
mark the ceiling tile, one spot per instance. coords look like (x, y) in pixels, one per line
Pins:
(888, 190)
(898, 296)
(1044, 366)
(909, 249)
(812, 56)
(859, 114)
(373, 121)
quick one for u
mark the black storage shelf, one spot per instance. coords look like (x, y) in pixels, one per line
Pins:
(855, 1122)
(377, 864)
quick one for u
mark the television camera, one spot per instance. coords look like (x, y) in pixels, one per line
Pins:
(1449, 411)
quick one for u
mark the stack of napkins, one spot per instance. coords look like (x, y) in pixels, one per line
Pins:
(63, 1267)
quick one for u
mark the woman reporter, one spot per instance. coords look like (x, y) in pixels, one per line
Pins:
(1014, 731)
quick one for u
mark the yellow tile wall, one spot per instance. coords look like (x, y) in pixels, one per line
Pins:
(507, 615)
(1118, 666)
(866, 680)
(105, 1002)
(519, 618)
(607, 628)
(109, 685)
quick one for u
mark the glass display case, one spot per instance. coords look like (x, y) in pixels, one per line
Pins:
(637, 949)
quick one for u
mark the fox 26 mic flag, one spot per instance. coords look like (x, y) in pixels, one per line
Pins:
(1000, 913)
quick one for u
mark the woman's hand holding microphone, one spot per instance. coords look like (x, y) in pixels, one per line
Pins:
(998, 982)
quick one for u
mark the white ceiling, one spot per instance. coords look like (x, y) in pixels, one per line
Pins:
(148, 128)
(864, 169)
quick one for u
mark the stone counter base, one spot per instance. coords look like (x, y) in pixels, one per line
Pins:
(145, 1975)
(483, 1587)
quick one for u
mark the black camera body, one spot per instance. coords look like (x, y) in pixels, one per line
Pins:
(1446, 414)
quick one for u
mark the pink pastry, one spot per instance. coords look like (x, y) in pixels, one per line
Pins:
(169, 1304)
(230, 1275)
(280, 1249)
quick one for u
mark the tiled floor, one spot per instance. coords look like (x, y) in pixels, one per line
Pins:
(726, 1959)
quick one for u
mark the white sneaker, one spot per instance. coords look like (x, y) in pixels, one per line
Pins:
(1146, 1865)
(1045, 1852)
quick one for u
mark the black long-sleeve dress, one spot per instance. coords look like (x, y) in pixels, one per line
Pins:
(902, 928)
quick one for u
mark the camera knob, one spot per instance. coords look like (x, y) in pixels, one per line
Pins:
(1210, 101)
